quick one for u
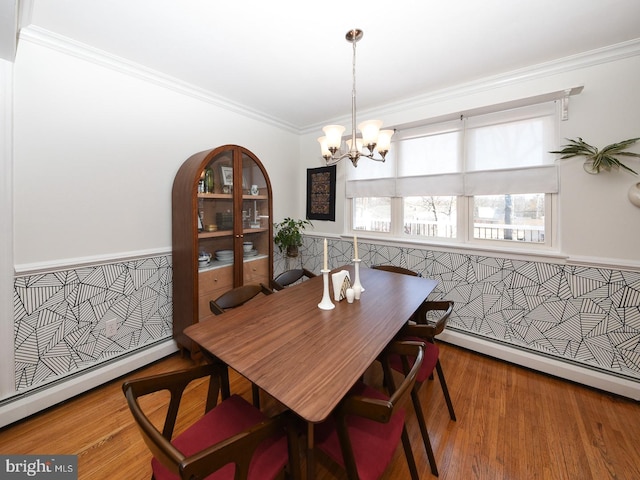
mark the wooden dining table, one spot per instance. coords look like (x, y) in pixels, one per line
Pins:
(305, 357)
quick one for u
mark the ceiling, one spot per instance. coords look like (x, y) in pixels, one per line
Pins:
(289, 60)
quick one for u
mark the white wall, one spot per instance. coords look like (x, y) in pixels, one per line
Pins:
(596, 220)
(96, 145)
(96, 151)
(6, 237)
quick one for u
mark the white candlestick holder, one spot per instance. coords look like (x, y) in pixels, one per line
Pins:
(326, 303)
(356, 281)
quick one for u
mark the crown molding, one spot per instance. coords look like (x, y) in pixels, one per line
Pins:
(48, 39)
(579, 61)
(68, 46)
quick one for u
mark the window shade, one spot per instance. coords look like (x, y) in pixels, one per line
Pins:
(435, 185)
(383, 187)
(523, 180)
(504, 152)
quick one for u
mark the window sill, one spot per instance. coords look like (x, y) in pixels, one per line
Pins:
(538, 254)
(532, 255)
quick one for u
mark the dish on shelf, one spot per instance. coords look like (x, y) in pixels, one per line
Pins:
(224, 255)
(251, 253)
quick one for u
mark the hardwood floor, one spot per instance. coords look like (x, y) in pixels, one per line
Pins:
(512, 424)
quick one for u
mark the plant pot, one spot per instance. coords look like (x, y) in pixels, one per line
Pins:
(292, 251)
(634, 194)
(588, 167)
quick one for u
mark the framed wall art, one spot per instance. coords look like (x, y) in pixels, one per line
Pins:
(321, 193)
(227, 175)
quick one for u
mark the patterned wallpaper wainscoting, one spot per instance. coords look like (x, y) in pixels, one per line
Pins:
(60, 316)
(582, 315)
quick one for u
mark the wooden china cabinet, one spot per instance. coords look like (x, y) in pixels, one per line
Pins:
(221, 200)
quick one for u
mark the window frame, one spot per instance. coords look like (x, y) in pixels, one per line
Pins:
(465, 204)
(464, 227)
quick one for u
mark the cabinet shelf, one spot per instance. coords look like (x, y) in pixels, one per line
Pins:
(229, 196)
(254, 197)
(216, 196)
(228, 233)
(217, 233)
(218, 264)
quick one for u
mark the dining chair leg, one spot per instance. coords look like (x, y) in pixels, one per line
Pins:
(225, 387)
(408, 452)
(256, 395)
(445, 390)
(294, 468)
(423, 430)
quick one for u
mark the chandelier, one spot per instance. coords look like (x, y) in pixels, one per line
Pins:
(373, 139)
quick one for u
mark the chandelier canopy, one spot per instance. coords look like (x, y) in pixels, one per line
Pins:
(372, 138)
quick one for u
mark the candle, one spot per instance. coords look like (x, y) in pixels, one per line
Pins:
(325, 254)
(355, 247)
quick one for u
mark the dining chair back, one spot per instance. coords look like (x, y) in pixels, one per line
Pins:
(366, 428)
(396, 269)
(237, 296)
(429, 321)
(232, 440)
(289, 277)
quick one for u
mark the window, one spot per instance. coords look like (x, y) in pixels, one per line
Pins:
(430, 216)
(372, 214)
(518, 218)
(485, 178)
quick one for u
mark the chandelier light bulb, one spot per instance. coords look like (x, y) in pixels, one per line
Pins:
(384, 141)
(334, 136)
(369, 130)
(324, 148)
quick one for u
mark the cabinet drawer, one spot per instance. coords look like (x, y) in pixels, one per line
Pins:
(218, 278)
(203, 301)
(212, 284)
(256, 271)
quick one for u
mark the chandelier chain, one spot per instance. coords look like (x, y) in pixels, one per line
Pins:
(354, 149)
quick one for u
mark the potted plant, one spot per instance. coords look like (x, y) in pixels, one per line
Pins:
(289, 235)
(597, 160)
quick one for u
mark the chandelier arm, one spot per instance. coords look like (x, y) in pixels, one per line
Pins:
(336, 158)
(371, 157)
(354, 158)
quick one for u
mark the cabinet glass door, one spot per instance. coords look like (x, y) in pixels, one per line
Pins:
(216, 212)
(255, 220)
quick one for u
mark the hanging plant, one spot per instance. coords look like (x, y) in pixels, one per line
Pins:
(597, 160)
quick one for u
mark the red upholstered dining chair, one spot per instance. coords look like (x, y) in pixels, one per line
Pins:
(289, 277)
(366, 428)
(429, 321)
(232, 440)
(232, 299)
